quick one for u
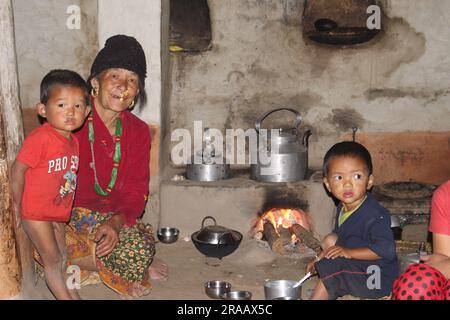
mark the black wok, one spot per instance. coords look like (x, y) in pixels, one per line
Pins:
(217, 250)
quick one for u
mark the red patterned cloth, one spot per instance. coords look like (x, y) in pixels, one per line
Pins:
(421, 282)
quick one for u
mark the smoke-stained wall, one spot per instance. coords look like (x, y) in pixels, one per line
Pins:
(259, 60)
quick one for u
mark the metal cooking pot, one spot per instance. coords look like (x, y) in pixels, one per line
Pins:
(212, 167)
(282, 288)
(287, 154)
(207, 171)
(216, 241)
(214, 234)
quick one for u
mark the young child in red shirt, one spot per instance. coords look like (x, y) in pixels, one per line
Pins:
(44, 173)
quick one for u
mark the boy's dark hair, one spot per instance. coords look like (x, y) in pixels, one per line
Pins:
(61, 77)
(347, 149)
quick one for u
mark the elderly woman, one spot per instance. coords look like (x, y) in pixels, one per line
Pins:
(430, 280)
(105, 233)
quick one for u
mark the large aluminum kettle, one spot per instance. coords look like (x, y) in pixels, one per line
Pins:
(286, 155)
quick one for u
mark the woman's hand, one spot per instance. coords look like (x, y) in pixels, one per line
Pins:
(439, 262)
(107, 235)
(440, 259)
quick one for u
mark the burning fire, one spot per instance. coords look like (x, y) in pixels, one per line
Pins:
(283, 218)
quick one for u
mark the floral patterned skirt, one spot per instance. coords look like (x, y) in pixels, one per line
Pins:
(129, 261)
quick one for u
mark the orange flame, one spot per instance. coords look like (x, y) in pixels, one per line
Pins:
(283, 218)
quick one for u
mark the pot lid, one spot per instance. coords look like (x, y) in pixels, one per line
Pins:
(229, 238)
(214, 233)
(282, 135)
(287, 132)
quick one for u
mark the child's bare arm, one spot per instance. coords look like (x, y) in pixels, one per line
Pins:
(18, 182)
(356, 253)
(440, 259)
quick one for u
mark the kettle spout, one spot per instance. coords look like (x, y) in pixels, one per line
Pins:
(305, 139)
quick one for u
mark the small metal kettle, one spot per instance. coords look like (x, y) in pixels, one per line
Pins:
(287, 154)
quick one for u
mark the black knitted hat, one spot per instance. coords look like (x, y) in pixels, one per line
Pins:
(121, 51)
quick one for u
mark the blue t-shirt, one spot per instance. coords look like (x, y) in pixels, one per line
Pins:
(370, 227)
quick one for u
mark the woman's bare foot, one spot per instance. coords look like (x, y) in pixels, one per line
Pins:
(136, 291)
(158, 270)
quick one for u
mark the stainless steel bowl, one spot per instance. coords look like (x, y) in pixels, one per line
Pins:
(237, 295)
(214, 289)
(168, 235)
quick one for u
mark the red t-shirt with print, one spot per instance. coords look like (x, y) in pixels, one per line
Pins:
(440, 210)
(51, 179)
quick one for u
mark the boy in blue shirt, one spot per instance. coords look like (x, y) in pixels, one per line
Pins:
(359, 257)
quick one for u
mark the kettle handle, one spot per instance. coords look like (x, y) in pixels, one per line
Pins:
(208, 217)
(298, 119)
(305, 139)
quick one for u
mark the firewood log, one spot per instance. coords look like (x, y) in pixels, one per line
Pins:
(270, 235)
(282, 241)
(305, 236)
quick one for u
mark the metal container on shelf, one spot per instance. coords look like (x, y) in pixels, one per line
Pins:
(208, 165)
(287, 155)
(208, 172)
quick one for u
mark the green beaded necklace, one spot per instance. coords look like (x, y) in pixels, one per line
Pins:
(117, 157)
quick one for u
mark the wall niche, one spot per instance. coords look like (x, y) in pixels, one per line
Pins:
(339, 22)
(190, 26)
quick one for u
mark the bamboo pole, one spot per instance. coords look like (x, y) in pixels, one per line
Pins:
(11, 129)
(9, 84)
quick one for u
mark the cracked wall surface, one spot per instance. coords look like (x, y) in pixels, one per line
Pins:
(398, 82)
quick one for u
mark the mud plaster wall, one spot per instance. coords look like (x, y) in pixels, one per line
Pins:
(44, 42)
(398, 82)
